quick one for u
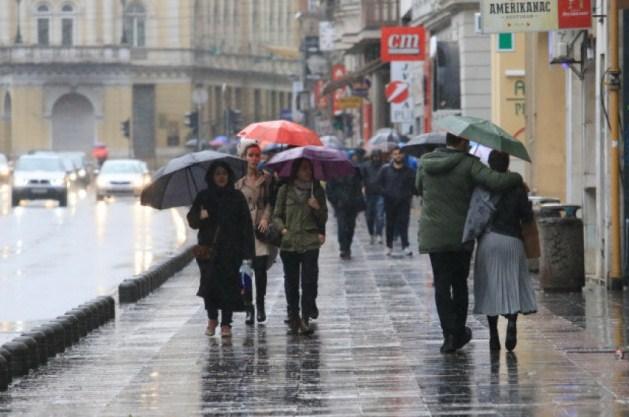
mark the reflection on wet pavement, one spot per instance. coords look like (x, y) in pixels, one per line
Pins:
(375, 353)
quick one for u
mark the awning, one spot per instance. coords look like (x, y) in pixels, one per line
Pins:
(350, 77)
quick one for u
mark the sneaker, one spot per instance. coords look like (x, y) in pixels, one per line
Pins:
(211, 327)
(380, 241)
(408, 251)
(226, 331)
(304, 327)
(464, 338)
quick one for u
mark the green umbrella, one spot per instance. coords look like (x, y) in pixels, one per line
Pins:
(484, 132)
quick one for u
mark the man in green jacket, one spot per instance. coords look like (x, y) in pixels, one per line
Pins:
(445, 181)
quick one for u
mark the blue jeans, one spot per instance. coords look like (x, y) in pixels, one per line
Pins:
(375, 214)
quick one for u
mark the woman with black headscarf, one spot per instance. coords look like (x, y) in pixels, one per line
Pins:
(221, 215)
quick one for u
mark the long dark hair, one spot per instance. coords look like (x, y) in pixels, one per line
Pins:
(295, 167)
(209, 175)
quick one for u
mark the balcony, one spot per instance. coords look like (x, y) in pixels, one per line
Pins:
(378, 13)
(62, 55)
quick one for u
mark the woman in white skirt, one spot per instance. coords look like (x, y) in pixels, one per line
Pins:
(502, 285)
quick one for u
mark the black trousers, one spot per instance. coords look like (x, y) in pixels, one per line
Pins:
(259, 270)
(398, 213)
(450, 271)
(212, 313)
(300, 268)
(346, 222)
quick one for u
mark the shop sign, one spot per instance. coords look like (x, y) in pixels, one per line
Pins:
(535, 16)
(351, 102)
(402, 43)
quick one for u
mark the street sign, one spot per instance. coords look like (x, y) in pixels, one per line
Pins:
(402, 43)
(351, 102)
(396, 92)
(326, 36)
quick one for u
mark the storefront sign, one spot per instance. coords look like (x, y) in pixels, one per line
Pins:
(402, 43)
(535, 16)
(351, 102)
(398, 94)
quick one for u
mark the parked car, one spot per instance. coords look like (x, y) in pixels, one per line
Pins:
(121, 176)
(40, 177)
(5, 169)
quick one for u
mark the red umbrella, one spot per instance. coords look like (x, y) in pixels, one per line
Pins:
(281, 131)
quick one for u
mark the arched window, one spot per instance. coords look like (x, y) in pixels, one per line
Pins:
(43, 24)
(135, 24)
(67, 25)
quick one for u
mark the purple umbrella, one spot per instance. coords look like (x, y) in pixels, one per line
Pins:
(327, 163)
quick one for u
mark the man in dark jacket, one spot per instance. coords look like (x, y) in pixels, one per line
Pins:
(374, 213)
(396, 181)
(346, 196)
(446, 179)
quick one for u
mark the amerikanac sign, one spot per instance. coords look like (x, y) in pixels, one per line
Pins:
(402, 43)
(535, 16)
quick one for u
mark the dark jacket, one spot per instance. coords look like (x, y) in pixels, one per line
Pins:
(345, 193)
(304, 224)
(513, 209)
(397, 184)
(369, 173)
(229, 214)
(445, 181)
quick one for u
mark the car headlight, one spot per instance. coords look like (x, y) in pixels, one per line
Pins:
(138, 182)
(101, 182)
(73, 176)
(82, 173)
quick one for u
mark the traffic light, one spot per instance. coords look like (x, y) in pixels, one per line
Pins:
(234, 121)
(192, 122)
(126, 128)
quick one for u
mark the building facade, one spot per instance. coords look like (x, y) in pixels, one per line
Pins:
(72, 71)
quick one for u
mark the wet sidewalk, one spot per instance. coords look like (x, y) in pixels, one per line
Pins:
(375, 353)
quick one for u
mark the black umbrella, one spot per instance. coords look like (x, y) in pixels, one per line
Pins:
(424, 143)
(177, 183)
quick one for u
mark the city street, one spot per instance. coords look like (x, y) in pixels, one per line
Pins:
(53, 258)
(375, 352)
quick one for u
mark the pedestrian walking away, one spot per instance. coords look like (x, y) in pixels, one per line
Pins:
(225, 237)
(446, 180)
(346, 196)
(396, 181)
(374, 213)
(256, 186)
(502, 284)
(301, 214)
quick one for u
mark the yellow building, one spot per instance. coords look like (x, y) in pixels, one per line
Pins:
(72, 71)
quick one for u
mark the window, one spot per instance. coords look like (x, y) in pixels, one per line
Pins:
(135, 25)
(446, 77)
(67, 25)
(43, 25)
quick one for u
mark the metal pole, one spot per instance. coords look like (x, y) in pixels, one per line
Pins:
(613, 88)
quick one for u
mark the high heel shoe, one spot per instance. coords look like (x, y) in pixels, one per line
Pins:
(261, 312)
(512, 335)
(494, 338)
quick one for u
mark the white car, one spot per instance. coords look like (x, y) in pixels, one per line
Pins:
(40, 177)
(122, 176)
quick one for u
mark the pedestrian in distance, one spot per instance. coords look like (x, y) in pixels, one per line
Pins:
(222, 217)
(396, 180)
(301, 214)
(346, 196)
(256, 186)
(502, 284)
(374, 213)
(446, 180)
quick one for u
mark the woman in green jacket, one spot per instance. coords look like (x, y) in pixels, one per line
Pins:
(301, 213)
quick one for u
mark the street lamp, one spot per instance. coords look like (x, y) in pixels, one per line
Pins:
(18, 34)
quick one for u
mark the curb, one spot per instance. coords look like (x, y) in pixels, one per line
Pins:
(133, 289)
(34, 347)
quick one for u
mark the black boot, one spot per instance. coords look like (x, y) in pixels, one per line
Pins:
(261, 311)
(512, 332)
(494, 339)
(251, 313)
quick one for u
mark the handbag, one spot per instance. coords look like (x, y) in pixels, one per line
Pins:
(206, 252)
(272, 236)
(530, 237)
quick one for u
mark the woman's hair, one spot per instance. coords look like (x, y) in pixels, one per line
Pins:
(296, 164)
(453, 140)
(249, 146)
(209, 176)
(498, 161)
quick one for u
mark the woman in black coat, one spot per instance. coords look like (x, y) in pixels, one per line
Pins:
(221, 215)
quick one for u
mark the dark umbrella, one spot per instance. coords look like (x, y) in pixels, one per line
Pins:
(426, 142)
(327, 163)
(177, 183)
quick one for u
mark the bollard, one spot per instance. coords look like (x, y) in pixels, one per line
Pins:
(19, 358)
(111, 306)
(7, 357)
(128, 291)
(32, 353)
(101, 308)
(81, 316)
(74, 327)
(49, 333)
(92, 316)
(4, 374)
(68, 336)
(60, 336)
(42, 344)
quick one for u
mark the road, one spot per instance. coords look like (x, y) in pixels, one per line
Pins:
(53, 258)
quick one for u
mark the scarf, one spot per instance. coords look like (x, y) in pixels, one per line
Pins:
(303, 189)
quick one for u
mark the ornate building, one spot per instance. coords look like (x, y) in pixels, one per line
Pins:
(72, 71)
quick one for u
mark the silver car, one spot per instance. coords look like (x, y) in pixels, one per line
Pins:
(40, 177)
(121, 176)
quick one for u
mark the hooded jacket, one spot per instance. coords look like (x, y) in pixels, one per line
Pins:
(445, 180)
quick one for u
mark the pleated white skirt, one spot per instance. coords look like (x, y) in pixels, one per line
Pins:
(502, 284)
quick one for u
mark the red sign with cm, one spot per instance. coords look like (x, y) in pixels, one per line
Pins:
(402, 43)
